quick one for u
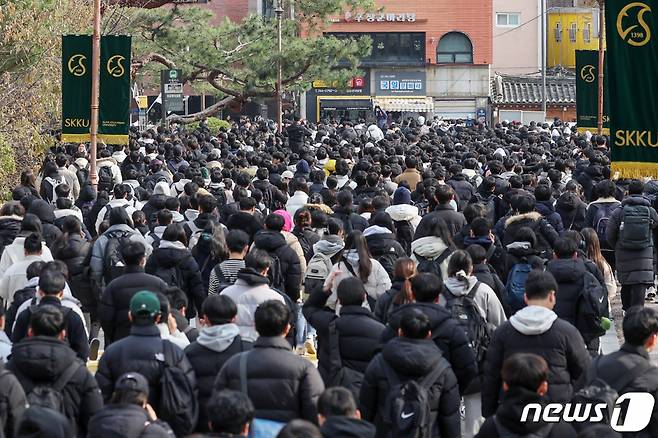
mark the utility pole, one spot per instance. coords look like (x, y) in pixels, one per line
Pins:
(279, 104)
(543, 57)
(599, 118)
(95, 80)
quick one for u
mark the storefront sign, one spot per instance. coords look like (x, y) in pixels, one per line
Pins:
(400, 83)
(379, 17)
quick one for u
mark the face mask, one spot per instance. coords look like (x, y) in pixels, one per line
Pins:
(453, 204)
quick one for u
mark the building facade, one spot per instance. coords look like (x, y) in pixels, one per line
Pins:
(568, 30)
(516, 36)
(428, 58)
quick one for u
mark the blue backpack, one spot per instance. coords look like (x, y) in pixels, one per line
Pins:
(515, 287)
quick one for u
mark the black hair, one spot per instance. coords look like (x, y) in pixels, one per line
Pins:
(444, 194)
(539, 285)
(247, 203)
(207, 203)
(51, 281)
(565, 248)
(426, 287)
(133, 253)
(543, 192)
(129, 397)
(258, 260)
(31, 222)
(229, 411)
(459, 261)
(271, 318)
(474, 211)
(175, 233)
(344, 198)
(481, 227)
(356, 241)
(334, 226)
(337, 401)
(32, 244)
(47, 320)
(477, 252)
(524, 370)
(164, 217)
(34, 269)
(119, 216)
(219, 309)
(237, 240)
(177, 298)
(415, 324)
(639, 324)
(299, 429)
(605, 189)
(274, 222)
(351, 292)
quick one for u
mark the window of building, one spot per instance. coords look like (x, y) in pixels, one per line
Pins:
(391, 48)
(558, 32)
(573, 30)
(453, 48)
(508, 19)
(268, 8)
(587, 32)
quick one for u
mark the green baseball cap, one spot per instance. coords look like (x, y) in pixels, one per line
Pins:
(145, 303)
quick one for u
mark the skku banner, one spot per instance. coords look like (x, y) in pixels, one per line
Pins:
(114, 95)
(632, 48)
(587, 91)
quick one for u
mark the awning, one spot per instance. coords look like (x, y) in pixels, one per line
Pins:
(405, 104)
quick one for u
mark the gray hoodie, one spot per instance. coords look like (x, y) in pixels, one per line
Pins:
(485, 298)
(218, 337)
(533, 320)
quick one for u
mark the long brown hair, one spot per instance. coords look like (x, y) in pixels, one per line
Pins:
(405, 269)
(593, 248)
(356, 241)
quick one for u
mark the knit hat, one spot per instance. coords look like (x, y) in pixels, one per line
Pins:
(303, 167)
(402, 195)
(287, 226)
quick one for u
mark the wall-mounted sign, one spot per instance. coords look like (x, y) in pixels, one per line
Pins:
(357, 82)
(400, 83)
(379, 17)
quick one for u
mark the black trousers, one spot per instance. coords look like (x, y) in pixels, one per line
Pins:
(633, 295)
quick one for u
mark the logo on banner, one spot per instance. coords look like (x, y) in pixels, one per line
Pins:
(634, 31)
(115, 67)
(76, 65)
(587, 73)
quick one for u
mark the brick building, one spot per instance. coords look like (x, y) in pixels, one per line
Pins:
(429, 58)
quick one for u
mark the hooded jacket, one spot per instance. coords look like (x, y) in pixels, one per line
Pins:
(115, 301)
(572, 211)
(485, 298)
(454, 219)
(385, 305)
(351, 220)
(46, 213)
(633, 266)
(10, 226)
(509, 415)
(447, 335)
(464, 189)
(126, 421)
(174, 255)
(569, 274)
(114, 203)
(214, 346)
(249, 291)
(346, 427)
(74, 252)
(546, 234)
(538, 330)
(378, 280)
(43, 359)
(411, 359)
(274, 242)
(404, 212)
(430, 247)
(359, 334)
(384, 247)
(296, 201)
(98, 250)
(281, 385)
(547, 210)
(112, 164)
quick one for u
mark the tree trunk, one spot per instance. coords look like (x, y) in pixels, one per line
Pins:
(146, 4)
(208, 112)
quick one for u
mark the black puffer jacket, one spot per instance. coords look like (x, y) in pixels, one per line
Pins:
(572, 211)
(411, 359)
(46, 213)
(454, 219)
(385, 248)
(359, 333)
(274, 243)
(12, 399)
(569, 274)
(245, 222)
(509, 415)
(633, 266)
(281, 385)
(546, 234)
(487, 275)
(42, 359)
(537, 330)
(448, 336)
(115, 301)
(74, 252)
(173, 258)
(385, 305)
(351, 221)
(345, 427)
(126, 421)
(151, 208)
(612, 367)
(215, 346)
(139, 353)
(10, 226)
(464, 189)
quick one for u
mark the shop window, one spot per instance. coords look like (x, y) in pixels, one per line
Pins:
(453, 48)
(587, 32)
(391, 48)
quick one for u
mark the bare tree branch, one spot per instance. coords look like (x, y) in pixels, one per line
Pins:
(208, 112)
(151, 57)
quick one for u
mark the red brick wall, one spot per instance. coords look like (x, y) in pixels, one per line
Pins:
(436, 18)
(235, 10)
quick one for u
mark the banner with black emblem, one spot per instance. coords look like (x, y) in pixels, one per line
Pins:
(632, 47)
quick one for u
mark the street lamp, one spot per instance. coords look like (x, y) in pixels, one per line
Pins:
(278, 11)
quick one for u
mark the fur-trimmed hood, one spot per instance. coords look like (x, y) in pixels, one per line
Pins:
(533, 216)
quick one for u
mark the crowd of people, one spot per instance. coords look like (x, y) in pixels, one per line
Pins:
(340, 279)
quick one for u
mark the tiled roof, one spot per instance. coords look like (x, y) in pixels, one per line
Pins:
(528, 89)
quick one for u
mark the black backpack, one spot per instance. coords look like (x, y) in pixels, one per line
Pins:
(339, 374)
(82, 173)
(433, 266)
(48, 395)
(404, 232)
(599, 391)
(407, 412)
(275, 273)
(113, 264)
(467, 314)
(635, 229)
(591, 305)
(171, 275)
(178, 402)
(105, 179)
(601, 218)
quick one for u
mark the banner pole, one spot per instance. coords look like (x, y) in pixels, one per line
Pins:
(95, 76)
(599, 118)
